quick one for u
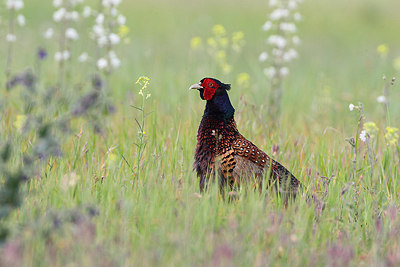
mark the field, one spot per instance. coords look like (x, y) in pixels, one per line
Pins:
(93, 173)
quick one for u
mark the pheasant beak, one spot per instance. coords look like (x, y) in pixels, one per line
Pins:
(196, 86)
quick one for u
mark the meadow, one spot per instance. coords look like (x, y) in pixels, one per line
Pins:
(96, 169)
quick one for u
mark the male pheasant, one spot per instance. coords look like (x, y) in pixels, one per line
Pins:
(220, 143)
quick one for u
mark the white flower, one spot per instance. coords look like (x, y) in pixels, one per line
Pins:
(270, 72)
(277, 53)
(284, 71)
(381, 99)
(114, 38)
(292, 4)
(15, 4)
(59, 15)
(58, 56)
(61, 56)
(114, 12)
(288, 27)
(267, 26)
(48, 33)
(289, 55)
(100, 18)
(115, 62)
(102, 41)
(279, 13)
(83, 57)
(277, 40)
(273, 2)
(74, 15)
(351, 107)
(263, 57)
(57, 3)
(66, 55)
(11, 38)
(110, 3)
(102, 63)
(21, 20)
(98, 30)
(363, 135)
(121, 19)
(71, 33)
(86, 11)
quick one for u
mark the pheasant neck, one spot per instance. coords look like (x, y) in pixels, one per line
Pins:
(220, 107)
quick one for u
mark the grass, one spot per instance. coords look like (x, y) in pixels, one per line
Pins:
(107, 217)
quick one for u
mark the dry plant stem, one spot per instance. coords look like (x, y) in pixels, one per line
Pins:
(10, 46)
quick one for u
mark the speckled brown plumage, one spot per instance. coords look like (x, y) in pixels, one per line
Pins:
(224, 153)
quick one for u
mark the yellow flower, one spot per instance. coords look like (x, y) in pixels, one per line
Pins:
(123, 30)
(221, 56)
(223, 42)
(396, 63)
(243, 79)
(371, 128)
(237, 37)
(226, 68)
(219, 30)
(211, 42)
(195, 43)
(20, 121)
(382, 50)
(392, 135)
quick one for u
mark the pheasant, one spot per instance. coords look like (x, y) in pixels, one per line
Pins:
(220, 144)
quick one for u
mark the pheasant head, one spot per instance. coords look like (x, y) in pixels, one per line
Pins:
(215, 92)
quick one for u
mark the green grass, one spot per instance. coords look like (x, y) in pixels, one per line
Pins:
(111, 218)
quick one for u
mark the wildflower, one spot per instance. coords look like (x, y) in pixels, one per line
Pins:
(296, 40)
(123, 30)
(211, 42)
(48, 34)
(382, 50)
(277, 40)
(71, 33)
(381, 99)
(391, 135)
(41, 53)
(114, 38)
(267, 26)
(219, 30)
(87, 11)
(371, 128)
(14, 4)
(351, 107)
(279, 13)
(284, 71)
(148, 96)
(195, 43)
(57, 3)
(288, 27)
(396, 63)
(114, 60)
(20, 121)
(363, 135)
(11, 38)
(83, 57)
(102, 63)
(21, 20)
(59, 14)
(243, 79)
(121, 19)
(270, 72)
(263, 57)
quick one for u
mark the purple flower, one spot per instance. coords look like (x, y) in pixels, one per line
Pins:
(41, 53)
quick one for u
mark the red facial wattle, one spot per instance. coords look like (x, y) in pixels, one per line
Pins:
(210, 87)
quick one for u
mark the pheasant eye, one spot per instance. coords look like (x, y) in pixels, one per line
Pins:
(211, 85)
